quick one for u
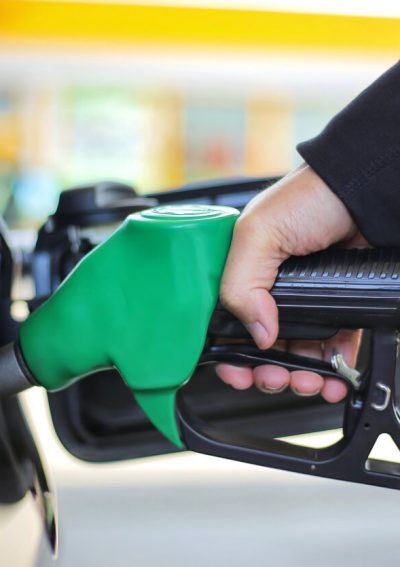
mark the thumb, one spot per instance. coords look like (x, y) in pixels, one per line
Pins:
(250, 272)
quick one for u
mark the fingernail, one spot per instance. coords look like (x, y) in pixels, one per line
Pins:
(305, 394)
(269, 390)
(258, 332)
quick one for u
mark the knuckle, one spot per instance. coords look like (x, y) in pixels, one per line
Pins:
(229, 295)
(232, 298)
(245, 226)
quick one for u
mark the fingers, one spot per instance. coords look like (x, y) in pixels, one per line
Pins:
(334, 391)
(306, 383)
(238, 377)
(309, 383)
(271, 379)
(274, 379)
(267, 378)
(249, 272)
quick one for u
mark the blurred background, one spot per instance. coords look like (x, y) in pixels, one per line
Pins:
(157, 94)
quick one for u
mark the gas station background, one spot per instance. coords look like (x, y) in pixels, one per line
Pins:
(161, 94)
(156, 94)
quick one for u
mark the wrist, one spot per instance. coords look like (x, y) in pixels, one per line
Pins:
(339, 222)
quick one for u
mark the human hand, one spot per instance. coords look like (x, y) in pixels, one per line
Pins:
(297, 216)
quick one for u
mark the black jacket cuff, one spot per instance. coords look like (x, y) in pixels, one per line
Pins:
(358, 156)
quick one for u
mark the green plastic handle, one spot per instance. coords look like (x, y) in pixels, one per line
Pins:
(140, 302)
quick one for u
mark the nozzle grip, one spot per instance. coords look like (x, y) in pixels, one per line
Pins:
(321, 293)
(341, 288)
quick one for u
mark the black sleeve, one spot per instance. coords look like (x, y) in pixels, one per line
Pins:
(358, 156)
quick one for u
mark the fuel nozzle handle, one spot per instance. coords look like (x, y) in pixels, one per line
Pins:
(140, 302)
(326, 291)
(144, 302)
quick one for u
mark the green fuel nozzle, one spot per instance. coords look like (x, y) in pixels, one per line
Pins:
(144, 302)
(140, 302)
